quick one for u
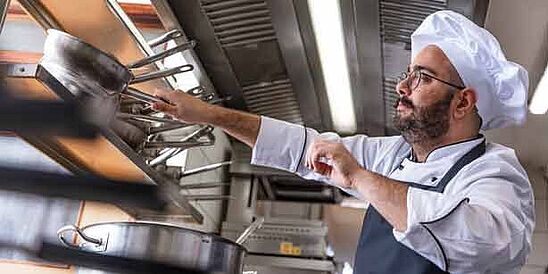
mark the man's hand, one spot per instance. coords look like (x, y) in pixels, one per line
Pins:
(389, 197)
(184, 107)
(333, 160)
(240, 125)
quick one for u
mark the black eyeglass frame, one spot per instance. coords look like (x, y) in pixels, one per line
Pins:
(405, 77)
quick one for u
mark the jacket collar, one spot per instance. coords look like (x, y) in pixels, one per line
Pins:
(453, 149)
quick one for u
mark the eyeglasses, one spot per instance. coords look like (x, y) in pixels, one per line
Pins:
(413, 79)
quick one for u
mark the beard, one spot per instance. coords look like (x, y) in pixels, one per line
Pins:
(424, 124)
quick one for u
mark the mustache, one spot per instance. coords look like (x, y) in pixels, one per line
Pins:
(404, 101)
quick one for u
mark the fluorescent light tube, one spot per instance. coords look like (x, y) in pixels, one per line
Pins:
(539, 103)
(328, 31)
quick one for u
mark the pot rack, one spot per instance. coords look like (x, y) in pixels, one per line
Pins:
(112, 32)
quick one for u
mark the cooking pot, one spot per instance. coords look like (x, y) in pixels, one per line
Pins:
(83, 68)
(163, 243)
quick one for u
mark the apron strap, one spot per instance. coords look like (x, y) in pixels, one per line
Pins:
(469, 157)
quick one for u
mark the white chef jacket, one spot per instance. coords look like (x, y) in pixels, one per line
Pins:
(481, 223)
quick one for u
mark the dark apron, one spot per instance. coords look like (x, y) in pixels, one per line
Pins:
(379, 252)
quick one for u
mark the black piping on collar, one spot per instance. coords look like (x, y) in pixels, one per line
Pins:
(411, 156)
(469, 157)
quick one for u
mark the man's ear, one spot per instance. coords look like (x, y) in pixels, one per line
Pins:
(466, 102)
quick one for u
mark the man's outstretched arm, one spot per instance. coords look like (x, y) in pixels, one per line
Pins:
(240, 125)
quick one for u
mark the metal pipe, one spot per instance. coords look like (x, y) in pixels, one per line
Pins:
(161, 73)
(38, 12)
(202, 185)
(143, 97)
(206, 197)
(146, 118)
(155, 130)
(168, 153)
(176, 144)
(170, 35)
(250, 230)
(4, 7)
(205, 168)
(161, 55)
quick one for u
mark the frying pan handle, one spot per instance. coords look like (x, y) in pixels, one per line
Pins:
(143, 97)
(75, 229)
(162, 73)
(170, 35)
(162, 55)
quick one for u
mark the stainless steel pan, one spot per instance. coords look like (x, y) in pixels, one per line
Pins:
(163, 243)
(84, 68)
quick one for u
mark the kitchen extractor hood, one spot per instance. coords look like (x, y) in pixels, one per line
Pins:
(262, 53)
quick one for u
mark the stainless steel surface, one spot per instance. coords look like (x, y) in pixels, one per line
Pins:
(168, 19)
(148, 118)
(161, 55)
(72, 228)
(4, 5)
(94, 71)
(361, 25)
(250, 230)
(36, 9)
(232, 34)
(274, 264)
(203, 185)
(143, 97)
(20, 70)
(177, 144)
(314, 110)
(165, 244)
(207, 197)
(190, 16)
(170, 35)
(179, 205)
(275, 99)
(164, 128)
(160, 74)
(288, 239)
(168, 153)
(138, 38)
(205, 168)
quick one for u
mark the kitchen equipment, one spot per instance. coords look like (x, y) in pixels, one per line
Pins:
(161, 243)
(167, 153)
(101, 262)
(250, 230)
(178, 173)
(84, 68)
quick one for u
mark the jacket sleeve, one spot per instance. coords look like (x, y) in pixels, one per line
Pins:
(482, 226)
(283, 146)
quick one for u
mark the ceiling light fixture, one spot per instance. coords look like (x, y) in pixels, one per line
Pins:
(328, 32)
(539, 103)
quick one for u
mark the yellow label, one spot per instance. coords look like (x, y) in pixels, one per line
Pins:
(286, 248)
(296, 250)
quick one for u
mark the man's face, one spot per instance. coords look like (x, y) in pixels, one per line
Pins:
(423, 113)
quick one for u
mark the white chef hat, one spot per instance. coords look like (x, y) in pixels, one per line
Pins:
(501, 86)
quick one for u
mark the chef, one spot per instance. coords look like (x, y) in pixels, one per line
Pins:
(442, 198)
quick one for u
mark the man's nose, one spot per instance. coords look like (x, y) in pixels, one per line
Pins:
(402, 88)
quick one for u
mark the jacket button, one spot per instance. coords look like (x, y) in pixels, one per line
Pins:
(434, 179)
(400, 167)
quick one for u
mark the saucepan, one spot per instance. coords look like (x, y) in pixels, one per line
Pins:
(163, 243)
(83, 68)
